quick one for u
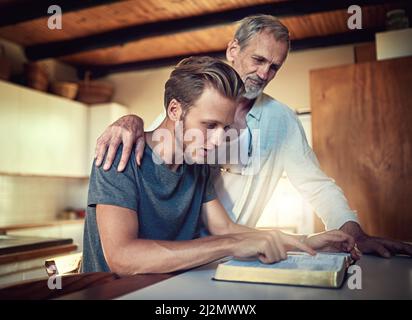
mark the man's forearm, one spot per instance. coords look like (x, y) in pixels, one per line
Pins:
(156, 256)
(238, 228)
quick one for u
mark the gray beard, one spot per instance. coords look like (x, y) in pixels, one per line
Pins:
(252, 94)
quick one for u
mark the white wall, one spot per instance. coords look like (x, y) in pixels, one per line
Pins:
(394, 44)
(291, 84)
(39, 199)
(141, 91)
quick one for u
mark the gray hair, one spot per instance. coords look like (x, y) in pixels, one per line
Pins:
(252, 25)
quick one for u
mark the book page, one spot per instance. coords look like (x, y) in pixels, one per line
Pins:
(298, 261)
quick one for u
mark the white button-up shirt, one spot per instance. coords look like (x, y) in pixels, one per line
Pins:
(279, 142)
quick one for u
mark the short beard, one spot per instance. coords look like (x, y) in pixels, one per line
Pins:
(252, 94)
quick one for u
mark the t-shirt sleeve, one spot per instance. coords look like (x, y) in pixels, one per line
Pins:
(210, 193)
(112, 187)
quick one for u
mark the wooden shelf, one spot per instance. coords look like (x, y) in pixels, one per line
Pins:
(14, 174)
(37, 253)
(5, 229)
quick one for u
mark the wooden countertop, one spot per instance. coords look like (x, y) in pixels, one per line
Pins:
(20, 248)
(381, 279)
(21, 226)
(37, 253)
(10, 244)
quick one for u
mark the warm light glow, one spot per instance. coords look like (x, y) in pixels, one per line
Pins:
(287, 210)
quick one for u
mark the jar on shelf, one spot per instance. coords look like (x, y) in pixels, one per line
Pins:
(396, 19)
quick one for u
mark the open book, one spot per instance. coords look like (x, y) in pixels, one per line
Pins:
(322, 270)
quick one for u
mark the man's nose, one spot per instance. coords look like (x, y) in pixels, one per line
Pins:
(217, 137)
(263, 73)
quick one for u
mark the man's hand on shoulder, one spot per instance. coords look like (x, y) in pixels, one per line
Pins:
(375, 245)
(128, 130)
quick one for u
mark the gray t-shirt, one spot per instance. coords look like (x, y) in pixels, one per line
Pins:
(167, 203)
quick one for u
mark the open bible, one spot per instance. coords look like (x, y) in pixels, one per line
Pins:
(322, 270)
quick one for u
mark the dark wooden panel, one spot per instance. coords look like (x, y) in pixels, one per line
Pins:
(362, 135)
(38, 289)
(365, 52)
(119, 287)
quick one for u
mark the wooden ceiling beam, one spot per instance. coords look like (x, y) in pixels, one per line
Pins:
(102, 71)
(351, 37)
(21, 11)
(134, 33)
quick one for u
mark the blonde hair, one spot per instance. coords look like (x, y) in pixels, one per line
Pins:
(190, 77)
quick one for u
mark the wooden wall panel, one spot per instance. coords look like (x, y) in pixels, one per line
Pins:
(365, 52)
(362, 135)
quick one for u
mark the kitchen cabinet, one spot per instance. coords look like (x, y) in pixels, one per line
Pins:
(42, 134)
(53, 136)
(10, 124)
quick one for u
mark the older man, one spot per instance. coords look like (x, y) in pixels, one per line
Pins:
(258, 50)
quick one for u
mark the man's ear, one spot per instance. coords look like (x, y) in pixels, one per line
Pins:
(232, 50)
(174, 110)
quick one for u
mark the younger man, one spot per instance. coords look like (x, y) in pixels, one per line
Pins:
(147, 218)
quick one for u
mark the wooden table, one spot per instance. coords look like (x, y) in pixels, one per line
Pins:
(381, 279)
